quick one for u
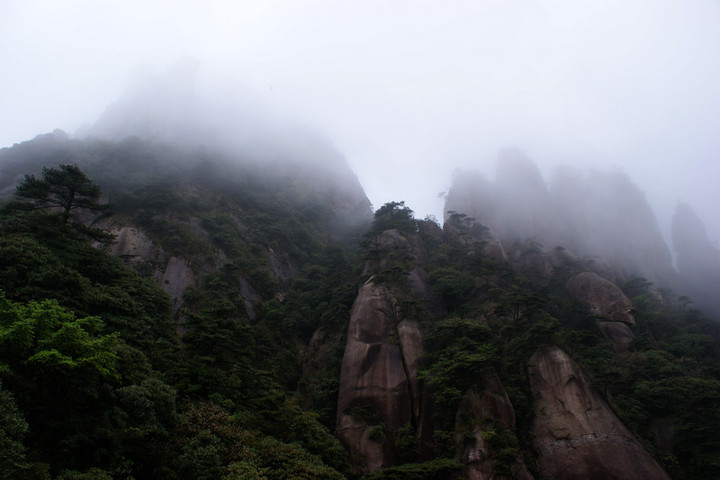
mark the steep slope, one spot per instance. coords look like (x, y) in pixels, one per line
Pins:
(234, 243)
(179, 213)
(479, 350)
(419, 389)
(612, 308)
(379, 392)
(379, 396)
(562, 289)
(576, 432)
(493, 415)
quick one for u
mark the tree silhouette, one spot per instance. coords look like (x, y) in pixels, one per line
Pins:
(65, 189)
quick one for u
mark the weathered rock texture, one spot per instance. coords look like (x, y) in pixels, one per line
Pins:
(379, 390)
(173, 274)
(174, 279)
(488, 411)
(378, 381)
(133, 246)
(576, 433)
(613, 309)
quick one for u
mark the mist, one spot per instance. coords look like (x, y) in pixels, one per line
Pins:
(406, 92)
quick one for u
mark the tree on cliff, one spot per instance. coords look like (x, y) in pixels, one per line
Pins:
(394, 215)
(66, 188)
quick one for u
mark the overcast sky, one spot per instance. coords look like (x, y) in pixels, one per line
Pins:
(408, 90)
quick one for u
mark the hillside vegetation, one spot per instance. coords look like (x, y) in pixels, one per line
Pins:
(245, 316)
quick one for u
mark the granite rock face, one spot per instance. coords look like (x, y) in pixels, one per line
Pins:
(378, 382)
(613, 309)
(576, 433)
(134, 247)
(379, 392)
(175, 274)
(475, 233)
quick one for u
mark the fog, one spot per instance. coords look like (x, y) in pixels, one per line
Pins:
(406, 91)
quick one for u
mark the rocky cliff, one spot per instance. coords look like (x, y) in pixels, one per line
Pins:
(379, 392)
(396, 367)
(576, 433)
(612, 309)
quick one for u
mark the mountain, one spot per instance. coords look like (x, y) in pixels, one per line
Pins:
(601, 215)
(241, 313)
(698, 260)
(462, 348)
(203, 294)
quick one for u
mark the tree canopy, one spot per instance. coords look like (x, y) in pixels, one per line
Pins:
(66, 189)
(393, 215)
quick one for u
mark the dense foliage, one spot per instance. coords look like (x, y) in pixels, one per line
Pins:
(65, 188)
(101, 378)
(83, 341)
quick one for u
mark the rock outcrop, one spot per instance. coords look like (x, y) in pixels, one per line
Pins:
(534, 261)
(613, 310)
(489, 413)
(576, 433)
(134, 247)
(175, 274)
(467, 231)
(378, 382)
(379, 389)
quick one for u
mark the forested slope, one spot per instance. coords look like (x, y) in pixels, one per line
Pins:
(253, 319)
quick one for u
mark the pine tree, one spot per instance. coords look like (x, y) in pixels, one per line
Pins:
(66, 189)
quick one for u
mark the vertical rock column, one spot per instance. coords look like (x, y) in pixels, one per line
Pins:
(378, 391)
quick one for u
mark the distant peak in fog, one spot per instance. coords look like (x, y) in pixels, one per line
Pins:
(698, 259)
(180, 106)
(154, 106)
(516, 170)
(595, 214)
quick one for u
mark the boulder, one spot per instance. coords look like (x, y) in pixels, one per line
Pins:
(613, 309)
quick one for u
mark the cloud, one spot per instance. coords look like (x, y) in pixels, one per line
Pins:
(408, 90)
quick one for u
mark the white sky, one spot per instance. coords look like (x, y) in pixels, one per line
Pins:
(408, 90)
